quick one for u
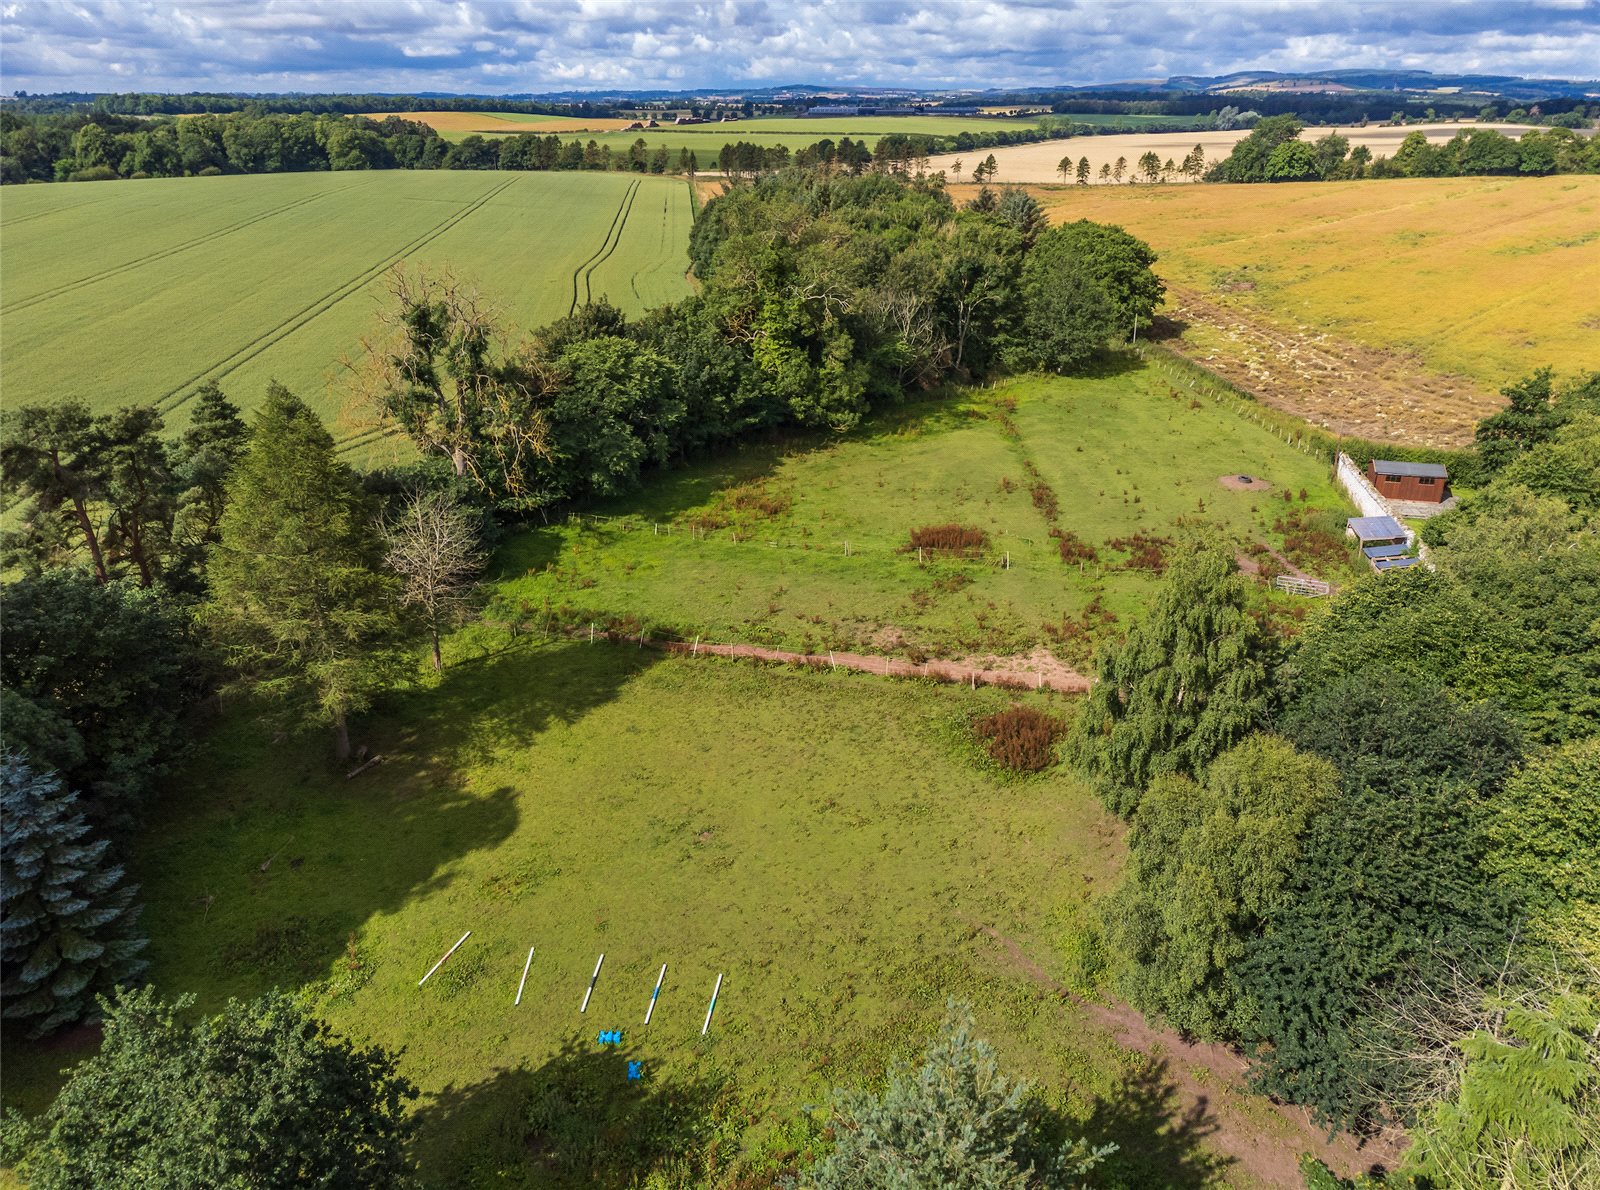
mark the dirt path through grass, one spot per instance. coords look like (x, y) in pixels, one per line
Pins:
(1209, 1082)
(1042, 676)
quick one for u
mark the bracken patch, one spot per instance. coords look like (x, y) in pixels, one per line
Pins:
(1021, 739)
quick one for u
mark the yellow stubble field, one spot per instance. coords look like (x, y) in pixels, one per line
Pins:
(1393, 309)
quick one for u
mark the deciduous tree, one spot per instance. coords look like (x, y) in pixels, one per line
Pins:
(1209, 862)
(1189, 681)
(98, 681)
(435, 546)
(262, 1094)
(440, 370)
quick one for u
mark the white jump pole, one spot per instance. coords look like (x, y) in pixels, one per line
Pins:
(584, 1007)
(524, 980)
(447, 954)
(712, 1007)
(655, 993)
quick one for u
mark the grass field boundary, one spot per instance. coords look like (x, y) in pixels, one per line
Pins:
(166, 402)
(162, 254)
(1294, 431)
(578, 274)
(998, 559)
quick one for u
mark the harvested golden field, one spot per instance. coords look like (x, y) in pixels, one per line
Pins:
(1391, 309)
(1037, 163)
(506, 122)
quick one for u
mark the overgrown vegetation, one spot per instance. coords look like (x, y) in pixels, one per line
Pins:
(1382, 902)
(1022, 739)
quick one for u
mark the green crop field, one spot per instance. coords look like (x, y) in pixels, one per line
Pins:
(752, 547)
(136, 291)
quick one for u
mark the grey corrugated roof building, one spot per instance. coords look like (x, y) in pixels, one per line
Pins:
(1417, 470)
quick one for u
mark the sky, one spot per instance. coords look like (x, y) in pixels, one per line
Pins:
(507, 46)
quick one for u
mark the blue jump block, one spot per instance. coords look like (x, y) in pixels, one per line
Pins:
(610, 1037)
(635, 1071)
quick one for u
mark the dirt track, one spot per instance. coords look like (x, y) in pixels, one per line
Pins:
(1046, 677)
(1208, 1083)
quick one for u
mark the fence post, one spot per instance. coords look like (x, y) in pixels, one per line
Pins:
(591, 632)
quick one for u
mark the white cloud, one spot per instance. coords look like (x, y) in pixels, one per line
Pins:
(530, 45)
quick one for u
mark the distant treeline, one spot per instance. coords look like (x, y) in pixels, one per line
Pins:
(98, 146)
(1274, 152)
(1333, 107)
(144, 103)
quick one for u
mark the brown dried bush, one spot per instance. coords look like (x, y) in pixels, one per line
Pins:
(1021, 738)
(1146, 551)
(962, 540)
(1073, 548)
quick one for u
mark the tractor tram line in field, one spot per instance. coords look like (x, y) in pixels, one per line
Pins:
(171, 250)
(176, 396)
(582, 274)
(588, 276)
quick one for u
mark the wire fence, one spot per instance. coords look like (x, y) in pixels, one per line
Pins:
(1007, 553)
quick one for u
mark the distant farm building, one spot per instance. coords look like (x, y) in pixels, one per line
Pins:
(1421, 482)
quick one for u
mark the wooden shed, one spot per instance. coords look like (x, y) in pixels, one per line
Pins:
(1423, 482)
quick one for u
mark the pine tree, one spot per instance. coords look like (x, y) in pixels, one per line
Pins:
(299, 597)
(955, 1122)
(67, 929)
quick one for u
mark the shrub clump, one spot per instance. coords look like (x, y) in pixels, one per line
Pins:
(1310, 538)
(1021, 739)
(1073, 548)
(1146, 551)
(962, 540)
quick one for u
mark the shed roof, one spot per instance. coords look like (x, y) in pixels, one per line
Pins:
(1375, 528)
(1419, 470)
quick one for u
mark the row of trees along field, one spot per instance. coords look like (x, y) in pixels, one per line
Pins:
(1368, 855)
(1275, 152)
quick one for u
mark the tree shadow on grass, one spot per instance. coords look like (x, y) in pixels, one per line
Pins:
(266, 862)
(1159, 1141)
(577, 1120)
